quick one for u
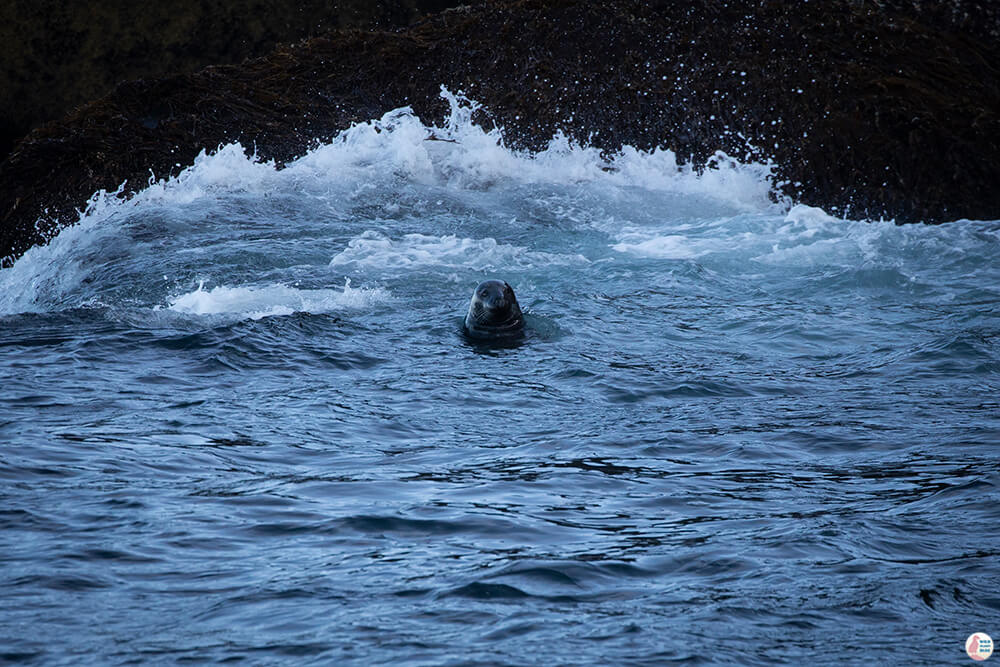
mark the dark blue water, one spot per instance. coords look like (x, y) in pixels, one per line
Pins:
(239, 422)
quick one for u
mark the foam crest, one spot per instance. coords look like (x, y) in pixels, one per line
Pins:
(227, 170)
(274, 300)
(671, 246)
(746, 187)
(806, 236)
(375, 250)
(44, 275)
(393, 145)
(462, 154)
(809, 236)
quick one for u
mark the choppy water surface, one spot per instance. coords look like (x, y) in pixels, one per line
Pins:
(238, 419)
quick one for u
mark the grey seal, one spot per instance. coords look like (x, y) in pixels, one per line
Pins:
(494, 312)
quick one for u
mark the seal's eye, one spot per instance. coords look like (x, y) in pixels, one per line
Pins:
(484, 293)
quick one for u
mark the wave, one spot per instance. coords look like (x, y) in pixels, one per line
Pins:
(456, 197)
(398, 148)
(373, 249)
(274, 300)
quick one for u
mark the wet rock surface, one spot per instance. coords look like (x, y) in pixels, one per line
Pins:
(868, 109)
(56, 55)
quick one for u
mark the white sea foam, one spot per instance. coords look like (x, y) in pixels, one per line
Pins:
(45, 276)
(644, 203)
(375, 250)
(461, 154)
(458, 155)
(809, 236)
(804, 237)
(274, 300)
(671, 246)
(227, 170)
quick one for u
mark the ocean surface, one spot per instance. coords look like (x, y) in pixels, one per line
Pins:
(240, 423)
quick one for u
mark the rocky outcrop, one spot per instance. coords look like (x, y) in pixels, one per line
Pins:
(867, 108)
(55, 55)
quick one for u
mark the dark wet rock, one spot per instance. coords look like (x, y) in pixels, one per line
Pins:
(869, 109)
(55, 55)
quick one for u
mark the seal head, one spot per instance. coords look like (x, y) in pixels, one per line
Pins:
(494, 312)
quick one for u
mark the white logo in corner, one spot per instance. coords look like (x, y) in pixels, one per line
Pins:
(979, 646)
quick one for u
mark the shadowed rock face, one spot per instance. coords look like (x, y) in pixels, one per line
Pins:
(868, 109)
(55, 55)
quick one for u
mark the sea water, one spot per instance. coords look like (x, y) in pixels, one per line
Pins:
(239, 420)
